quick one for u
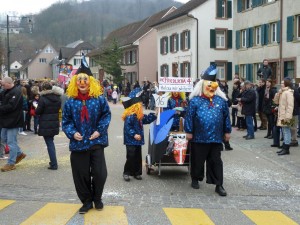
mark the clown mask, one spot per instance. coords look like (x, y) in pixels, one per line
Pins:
(209, 88)
(175, 94)
(83, 83)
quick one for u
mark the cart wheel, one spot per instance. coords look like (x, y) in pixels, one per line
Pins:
(148, 164)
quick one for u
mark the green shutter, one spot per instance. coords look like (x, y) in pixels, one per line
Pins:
(236, 68)
(219, 8)
(249, 72)
(212, 38)
(239, 6)
(267, 33)
(290, 29)
(177, 42)
(161, 46)
(189, 39)
(247, 38)
(229, 39)
(181, 41)
(237, 39)
(161, 70)
(167, 44)
(229, 9)
(229, 71)
(167, 68)
(250, 37)
(189, 69)
(181, 69)
(171, 44)
(254, 3)
(262, 34)
(278, 31)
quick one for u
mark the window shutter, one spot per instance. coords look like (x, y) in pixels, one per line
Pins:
(290, 29)
(251, 37)
(162, 71)
(254, 3)
(267, 34)
(278, 31)
(167, 44)
(249, 72)
(229, 38)
(189, 39)
(189, 69)
(212, 38)
(171, 44)
(229, 71)
(236, 68)
(237, 39)
(177, 42)
(167, 69)
(239, 6)
(247, 38)
(181, 41)
(181, 70)
(229, 9)
(262, 34)
(219, 8)
(161, 46)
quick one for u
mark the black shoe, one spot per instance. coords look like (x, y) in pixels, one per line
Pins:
(285, 150)
(273, 145)
(249, 138)
(294, 144)
(270, 137)
(281, 139)
(195, 184)
(98, 205)
(245, 136)
(228, 148)
(126, 177)
(52, 167)
(279, 151)
(85, 207)
(220, 190)
(262, 128)
(138, 177)
(266, 136)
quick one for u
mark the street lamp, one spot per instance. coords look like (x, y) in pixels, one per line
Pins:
(7, 31)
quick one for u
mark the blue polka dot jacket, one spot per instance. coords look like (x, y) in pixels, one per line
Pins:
(133, 126)
(99, 119)
(207, 121)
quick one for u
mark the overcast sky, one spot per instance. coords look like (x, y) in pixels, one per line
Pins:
(31, 6)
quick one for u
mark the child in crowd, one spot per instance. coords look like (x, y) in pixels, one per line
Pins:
(114, 96)
(134, 133)
(33, 107)
(240, 116)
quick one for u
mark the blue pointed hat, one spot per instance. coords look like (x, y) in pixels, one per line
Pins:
(84, 67)
(133, 98)
(210, 73)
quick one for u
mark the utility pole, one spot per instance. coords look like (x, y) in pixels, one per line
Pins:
(8, 50)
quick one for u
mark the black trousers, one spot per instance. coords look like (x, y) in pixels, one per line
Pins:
(233, 115)
(133, 164)
(89, 173)
(241, 123)
(270, 118)
(211, 153)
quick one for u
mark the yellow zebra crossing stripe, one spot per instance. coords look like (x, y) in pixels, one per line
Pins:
(5, 203)
(110, 215)
(53, 214)
(268, 217)
(184, 216)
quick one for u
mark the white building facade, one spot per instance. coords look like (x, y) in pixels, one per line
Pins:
(186, 51)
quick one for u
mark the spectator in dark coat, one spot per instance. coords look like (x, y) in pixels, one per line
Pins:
(265, 71)
(261, 93)
(234, 95)
(48, 109)
(267, 103)
(248, 100)
(296, 112)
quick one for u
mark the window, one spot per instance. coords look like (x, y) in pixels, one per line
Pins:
(174, 43)
(220, 38)
(223, 9)
(76, 62)
(289, 69)
(185, 69)
(247, 4)
(273, 32)
(185, 40)
(48, 50)
(164, 45)
(175, 69)
(164, 70)
(221, 71)
(244, 38)
(256, 66)
(243, 70)
(298, 26)
(43, 60)
(257, 35)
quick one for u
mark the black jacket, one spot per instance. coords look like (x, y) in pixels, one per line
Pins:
(235, 93)
(11, 108)
(48, 108)
(296, 102)
(267, 102)
(264, 72)
(261, 94)
(248, 100)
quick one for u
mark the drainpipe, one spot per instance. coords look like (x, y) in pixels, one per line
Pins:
(197, 55)
(280, 44)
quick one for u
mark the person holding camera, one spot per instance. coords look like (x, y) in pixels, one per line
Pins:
(265, 71)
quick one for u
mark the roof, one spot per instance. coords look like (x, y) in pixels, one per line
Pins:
(181, 11)
(128, 34)
(68, 52)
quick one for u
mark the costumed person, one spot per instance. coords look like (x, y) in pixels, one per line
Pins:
(176, 100)
(207, 124)
(86, 117)
(134, 118)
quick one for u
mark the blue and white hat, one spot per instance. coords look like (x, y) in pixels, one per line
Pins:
(133, 98)
(210, 73)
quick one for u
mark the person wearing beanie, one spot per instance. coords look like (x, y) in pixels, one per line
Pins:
(207, 124)
(86, 118)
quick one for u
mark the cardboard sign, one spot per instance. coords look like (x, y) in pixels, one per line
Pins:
(175, 84)
(161, 100)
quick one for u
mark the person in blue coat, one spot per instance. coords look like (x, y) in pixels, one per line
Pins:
(134, 119)
(207, 124)
(177, 99)
(86, 117)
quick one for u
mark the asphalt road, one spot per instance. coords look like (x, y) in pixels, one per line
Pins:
(254, 176)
